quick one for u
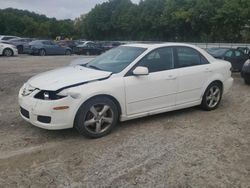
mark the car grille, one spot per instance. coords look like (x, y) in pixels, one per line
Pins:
(24, 112)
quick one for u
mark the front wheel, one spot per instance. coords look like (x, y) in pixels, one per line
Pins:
(8, 52)
(97, 117)
(212, 96)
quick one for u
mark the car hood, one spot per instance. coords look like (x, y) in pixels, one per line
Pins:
(66, 77)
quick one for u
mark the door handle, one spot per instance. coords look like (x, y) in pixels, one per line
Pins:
(171, 77)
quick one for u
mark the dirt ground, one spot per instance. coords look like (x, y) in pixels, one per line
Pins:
(185, 148)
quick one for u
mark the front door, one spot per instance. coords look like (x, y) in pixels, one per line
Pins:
(156, 90)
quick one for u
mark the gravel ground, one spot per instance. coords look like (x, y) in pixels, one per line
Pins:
(185, 148)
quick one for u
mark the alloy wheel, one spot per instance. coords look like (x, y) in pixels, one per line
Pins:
(213, 96)
(7, 52)
(99, 118)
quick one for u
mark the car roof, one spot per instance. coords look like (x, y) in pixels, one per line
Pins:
(2, 36)
(158, 45)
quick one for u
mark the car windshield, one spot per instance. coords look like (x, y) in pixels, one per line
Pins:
(116, 59)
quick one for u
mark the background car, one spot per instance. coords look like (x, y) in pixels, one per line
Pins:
(48, 47)
(245, 50)
(211, 50)
(109, 45)
(7, 50)
(88, 48)
(245, 73)
(68, 43)
(22, 44)
(236, 57)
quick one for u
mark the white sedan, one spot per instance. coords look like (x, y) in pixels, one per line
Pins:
(8, 50)
(127, 82)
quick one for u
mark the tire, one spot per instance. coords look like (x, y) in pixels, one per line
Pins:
(8, 52)
(67, 52)
(42, 52)
(20, 49)
(96, 117)
(247, 81)
(212, 96)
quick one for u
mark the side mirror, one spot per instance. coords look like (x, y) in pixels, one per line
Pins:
(140, 71)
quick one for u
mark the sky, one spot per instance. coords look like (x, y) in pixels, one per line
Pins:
(60, 9)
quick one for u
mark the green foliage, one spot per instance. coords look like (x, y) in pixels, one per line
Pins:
(28, 24)
(165, 20)
(170, 20)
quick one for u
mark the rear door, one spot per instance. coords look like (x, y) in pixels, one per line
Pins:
(229, 56)
(57, 49)
(240, 59)
(193, 72)
(48, 48)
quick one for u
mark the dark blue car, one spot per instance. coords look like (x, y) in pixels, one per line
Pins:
(48, 47)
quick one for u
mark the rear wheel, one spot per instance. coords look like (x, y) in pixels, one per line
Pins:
(97, 117)
(42, 52)
(8, 52)
(212, 96)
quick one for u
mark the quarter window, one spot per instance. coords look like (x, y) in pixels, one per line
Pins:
(159, 60)
(189, 57)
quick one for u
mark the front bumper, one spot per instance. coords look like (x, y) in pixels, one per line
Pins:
(38, 110)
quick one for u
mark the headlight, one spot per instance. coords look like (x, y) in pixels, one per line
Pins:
(54, 95)
(48, 95)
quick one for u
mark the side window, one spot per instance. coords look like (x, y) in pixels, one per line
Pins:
(238, 53)
(53, 43)
(189, 57)
(46, 42)
(159, 60)
(229, 53)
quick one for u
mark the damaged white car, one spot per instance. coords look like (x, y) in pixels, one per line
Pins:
(127, 82)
